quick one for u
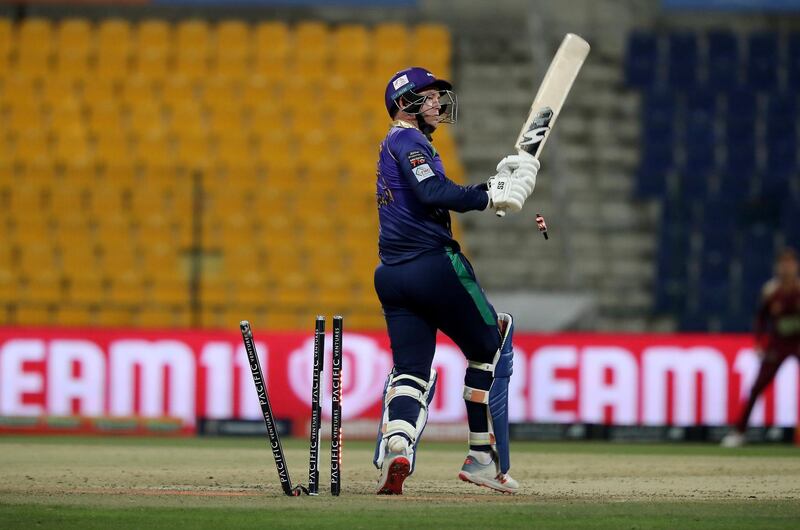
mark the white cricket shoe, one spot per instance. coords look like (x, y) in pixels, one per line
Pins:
(733, 439)
(488, 475)
(396, 467)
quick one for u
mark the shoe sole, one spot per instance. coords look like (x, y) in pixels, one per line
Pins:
(466, 477)
(398, 472)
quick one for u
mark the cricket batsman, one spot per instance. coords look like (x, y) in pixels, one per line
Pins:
(426, 284)
(777, 334)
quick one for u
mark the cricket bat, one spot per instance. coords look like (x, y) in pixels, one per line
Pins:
(550, 98)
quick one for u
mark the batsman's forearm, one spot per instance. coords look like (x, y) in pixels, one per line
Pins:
(449, 195)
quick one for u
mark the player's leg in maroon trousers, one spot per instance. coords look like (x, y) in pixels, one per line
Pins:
(766, 373)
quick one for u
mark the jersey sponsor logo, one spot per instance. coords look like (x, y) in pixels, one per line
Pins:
(416, 158)
(400, 81)
(422, 172)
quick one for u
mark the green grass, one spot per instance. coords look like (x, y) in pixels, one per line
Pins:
(567, 447)
(121, 482)
(390, 515)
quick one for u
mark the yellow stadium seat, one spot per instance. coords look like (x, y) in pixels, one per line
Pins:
(27, 198)
(71, 147)
(109, 316)
(154, 34)
(113, 48)
(30, 315)
(192, 34)
(137, 90)
(87, 288)
(34, 32)
(164, 317)
(272, 40)
(73, 44)
(6, 44)
(113, 33)
(104, 200)
(311, 39)
(192, 44)
(168, 292)
(36, 256)
(160, 259)
(390, 37)
(57, 90)
(127, 290)
(100, 91)
(232, 49)
(177, 90)
(187, 119)
(65, 199)
(45, 288)
(146, 122)
(113, 63)
(436, 53)
(77, 260)
(73, 316)
(24, 117)
(193, 152)
(220, 90)
(352, 44)
(18, 90)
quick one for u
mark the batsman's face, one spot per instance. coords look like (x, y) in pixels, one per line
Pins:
(431, 107)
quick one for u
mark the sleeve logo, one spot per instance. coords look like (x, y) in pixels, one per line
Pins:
(422, 172)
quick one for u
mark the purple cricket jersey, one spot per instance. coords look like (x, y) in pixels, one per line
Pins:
(414, 197)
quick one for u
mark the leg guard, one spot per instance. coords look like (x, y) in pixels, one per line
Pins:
(497, 396)
(395, 388)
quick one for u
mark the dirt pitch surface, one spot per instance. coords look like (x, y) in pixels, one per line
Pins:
(70, 482)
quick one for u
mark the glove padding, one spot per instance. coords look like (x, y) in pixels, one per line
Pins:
(523, 166)
(514, 182)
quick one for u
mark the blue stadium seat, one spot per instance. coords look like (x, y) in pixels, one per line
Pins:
(701, 106)
(694, 321)
(793, 60)
(762, 63)
(782, 106)
(757, 253)
(714, 297)
(651, 184)
(718, 214)
(740, 158)
(658, 107)
(749, 296)
(790, 221)
(737, 320)
(657, 158)
(723, 59)
(682, 63)
(641, 60)
(694, 180)
(734, 186)
(740, 105)
(671, 268)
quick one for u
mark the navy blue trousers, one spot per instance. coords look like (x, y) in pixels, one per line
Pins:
(430, 293)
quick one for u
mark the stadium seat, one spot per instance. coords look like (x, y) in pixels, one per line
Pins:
(682, 60)
(641, 60)
(723, 59)
(762, 62)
